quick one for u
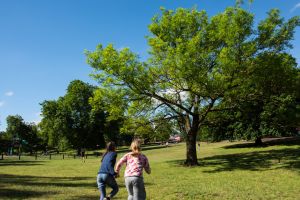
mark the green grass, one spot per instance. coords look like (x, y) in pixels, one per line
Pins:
(227, 171)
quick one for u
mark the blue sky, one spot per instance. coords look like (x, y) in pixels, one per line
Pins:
(42, 42)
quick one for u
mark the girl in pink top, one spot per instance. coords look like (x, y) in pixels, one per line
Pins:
(135, 163)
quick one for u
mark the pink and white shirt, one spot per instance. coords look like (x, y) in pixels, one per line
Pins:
(134, 165)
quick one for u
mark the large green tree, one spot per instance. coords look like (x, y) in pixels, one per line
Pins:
(54, 123)
(25, 134)
(195, 63)
(70, 120)
(15, 126)
(266, 104)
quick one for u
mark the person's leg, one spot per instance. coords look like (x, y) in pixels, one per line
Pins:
(129, 187)
(139, 189)
(101, 179)
(111, 182)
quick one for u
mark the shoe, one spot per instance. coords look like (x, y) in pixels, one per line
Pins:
(107, 198)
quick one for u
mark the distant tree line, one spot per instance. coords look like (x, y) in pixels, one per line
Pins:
(72, 122)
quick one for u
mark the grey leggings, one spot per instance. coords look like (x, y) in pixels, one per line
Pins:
(135, 188)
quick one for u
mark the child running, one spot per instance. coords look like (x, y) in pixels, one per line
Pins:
(135, 163)
(106, 174)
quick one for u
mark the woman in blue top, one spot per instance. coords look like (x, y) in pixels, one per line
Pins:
(106, 174)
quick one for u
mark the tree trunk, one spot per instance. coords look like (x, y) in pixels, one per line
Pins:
(191, 152)
(258, 141)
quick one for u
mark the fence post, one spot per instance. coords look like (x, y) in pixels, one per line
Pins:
(63, 156)
(2, 156)
(74, 156)
(35, 156)
(19, 156)
(50, 156)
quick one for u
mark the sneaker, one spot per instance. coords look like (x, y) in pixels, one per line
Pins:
(107, 198)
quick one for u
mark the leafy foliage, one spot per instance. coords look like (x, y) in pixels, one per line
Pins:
(198, 66)
(22, 134)
(70, 121)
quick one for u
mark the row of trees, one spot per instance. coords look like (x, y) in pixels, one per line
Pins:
(68, 122)
(77, 120)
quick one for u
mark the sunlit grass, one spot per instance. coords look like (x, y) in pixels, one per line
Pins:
(271, 172)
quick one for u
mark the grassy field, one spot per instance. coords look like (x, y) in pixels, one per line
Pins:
(226, 171)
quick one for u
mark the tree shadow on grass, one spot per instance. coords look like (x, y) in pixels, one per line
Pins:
(286, 141)
(39, 182)
(287, 158)
(97, 194)
(85, 197)
(19, 194)
(255, 161)
(42, 181)
(19, 163)
(90, 197)
(45, 182)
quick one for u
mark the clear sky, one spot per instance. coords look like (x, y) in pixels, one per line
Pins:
(42, 41)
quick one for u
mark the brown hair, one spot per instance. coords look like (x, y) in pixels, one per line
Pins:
(135, 147)
(110, 146)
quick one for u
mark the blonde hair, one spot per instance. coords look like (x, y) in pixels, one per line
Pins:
(135, 147)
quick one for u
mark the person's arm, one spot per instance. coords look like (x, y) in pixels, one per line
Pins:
(120, 163)
(147, 165)
(114, 159)
(113, 162)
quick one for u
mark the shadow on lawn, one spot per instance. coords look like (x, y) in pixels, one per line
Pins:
(19, 163)
(90, 197)
(255, 161)
(40, 182)
(287, 158)
(46, 181)
(286, 141)
(19, 194)
(85, 197)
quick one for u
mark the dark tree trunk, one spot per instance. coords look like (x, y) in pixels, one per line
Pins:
(191, 153)
(191, 150)
(258, 141)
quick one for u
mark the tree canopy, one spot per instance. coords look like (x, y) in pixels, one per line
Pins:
(198, 65)
(70, 121)
(22, 133)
